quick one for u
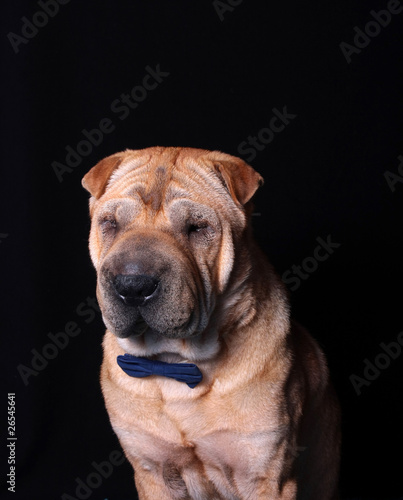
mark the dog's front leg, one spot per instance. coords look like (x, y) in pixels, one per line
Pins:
(150, 487)
(270, 489)
(153, 486)
(277, 483)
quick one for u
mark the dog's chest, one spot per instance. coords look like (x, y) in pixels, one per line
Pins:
(223, 463)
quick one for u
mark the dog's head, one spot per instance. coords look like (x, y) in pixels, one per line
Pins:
(165, 225)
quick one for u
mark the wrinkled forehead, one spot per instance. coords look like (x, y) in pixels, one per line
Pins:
(158, 180)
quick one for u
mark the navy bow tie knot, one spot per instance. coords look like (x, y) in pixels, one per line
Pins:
(143, 367)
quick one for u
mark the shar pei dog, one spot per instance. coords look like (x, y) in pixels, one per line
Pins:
(213, 391)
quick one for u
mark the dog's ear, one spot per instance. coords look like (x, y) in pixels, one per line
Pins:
(96, 179)
(240, 179)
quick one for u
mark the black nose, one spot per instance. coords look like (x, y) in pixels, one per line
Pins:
(135, 289)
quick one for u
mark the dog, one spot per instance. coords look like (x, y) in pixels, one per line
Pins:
(213, 391)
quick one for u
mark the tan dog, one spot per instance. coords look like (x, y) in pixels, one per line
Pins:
(180, 280)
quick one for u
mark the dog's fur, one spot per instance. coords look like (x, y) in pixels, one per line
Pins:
(264, 421)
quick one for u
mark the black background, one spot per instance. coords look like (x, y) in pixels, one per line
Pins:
(324, 175)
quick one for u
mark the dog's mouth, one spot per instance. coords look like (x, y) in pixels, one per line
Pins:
(140, 327)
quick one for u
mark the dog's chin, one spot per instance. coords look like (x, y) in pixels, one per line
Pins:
(140, 328)
(136, 329)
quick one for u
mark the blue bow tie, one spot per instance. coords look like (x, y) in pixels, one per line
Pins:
(143, 367)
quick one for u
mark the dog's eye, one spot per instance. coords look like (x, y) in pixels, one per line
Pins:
(108, 225)
(200, 232)
(194, 228)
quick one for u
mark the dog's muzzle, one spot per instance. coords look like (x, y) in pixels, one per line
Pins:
(146, 287)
